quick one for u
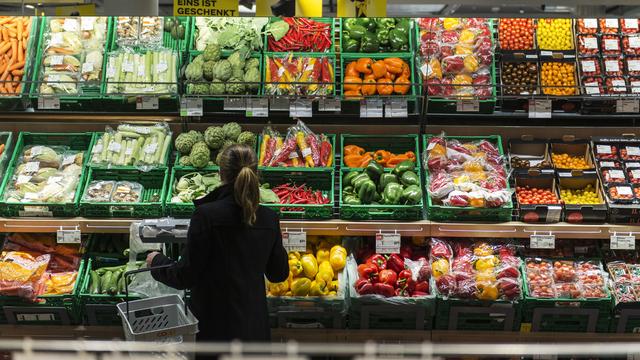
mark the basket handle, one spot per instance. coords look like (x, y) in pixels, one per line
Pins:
(128, 274)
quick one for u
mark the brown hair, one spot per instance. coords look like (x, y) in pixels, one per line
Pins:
(239, 166)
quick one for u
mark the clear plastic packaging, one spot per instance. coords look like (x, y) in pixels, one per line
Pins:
(23, 275)
(127, 30)
(127, 192)
(286, 75)
(99, 191)
(151, 30)
(147, 72)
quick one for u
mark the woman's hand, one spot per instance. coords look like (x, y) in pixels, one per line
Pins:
(150, 258)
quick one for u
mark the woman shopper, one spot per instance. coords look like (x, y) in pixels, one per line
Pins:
(232, 244)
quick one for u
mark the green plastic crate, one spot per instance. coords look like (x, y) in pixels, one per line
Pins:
(331, 57)
(326, 20)
(626, 318)
(332, 140)
(154, 182)
(438, 212)
(89, 95)
(47, 310)
(181, 210)
(75, 141)
(18, 101)
(477, 315)
(107, 247)
(97, 137)
(323, 181)
(167, 41)
(6, 138)
(412, 42)
(99, 309)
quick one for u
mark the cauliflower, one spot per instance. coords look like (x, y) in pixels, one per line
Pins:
(214, 137)
(231, 131)
(211, 52)
(207, 70)
(222, 70)
(247, 138)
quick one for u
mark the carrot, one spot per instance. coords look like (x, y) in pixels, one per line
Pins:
(5, 34)
(14, 49)
(1, 148)
(17, 72)
(6, 20)
(24, 45)
(5, 47)
(9, 87)
(11, 32)
(19, 89)
(20, 51)
(19, 28)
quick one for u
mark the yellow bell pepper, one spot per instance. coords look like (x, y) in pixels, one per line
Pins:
(486, 263)
(483, 249)
(300, 287)
(294, 255)
(322, 255)
(318, 288)
(295, 267)
(467, 37)
(440, 267)
(334, 285)
(278, 289)
(471, 63)
(486, 275)
(487, 291)
(338, 259)
(325, 272)
(451, 23)
(309, 265)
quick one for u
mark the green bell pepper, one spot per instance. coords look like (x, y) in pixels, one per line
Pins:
(407, 165)
(412, 195)
(397, 39)
(403, 25)
(383, 36)
(374, 170)
(348, 189)
(351, 199)
(357, 32)
(359, 180)
(385, 179)
(369, 43)
(392, 194)
(350, 45)
(348, 23)
(367, 23)
(347, 180)
(386, 23)
(367, 192)
(409, 178)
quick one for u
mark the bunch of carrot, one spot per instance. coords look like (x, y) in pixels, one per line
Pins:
(14, 35)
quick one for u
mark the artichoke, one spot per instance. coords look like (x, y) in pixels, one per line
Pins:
(193, 71)
(231, 131)
(227, 143)
(216, 88)
(222, 70)
(197, 135)
(184, 142)
(207, 70)
(184, 161)
(236, 60)
(197, 89)
(211, 52)
(235, 86)
(200, 155)
(251, 63)
(198, 59)
(252, 76)
(237, 72)
(214, 137)
(219, 157)
(247, 138)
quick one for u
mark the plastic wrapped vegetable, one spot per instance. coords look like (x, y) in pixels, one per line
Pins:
(22, 274)
(287, 75)
(300, 148)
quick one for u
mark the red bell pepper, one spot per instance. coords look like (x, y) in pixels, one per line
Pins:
(422, 286)
(402, 292)
(440, 249)
(325, 151)
(395, 263)
(368, 271)
(385, 290)
(388, 277)
(363, 286)
(406, 252)
(508, 272)
(419, 293)
(446, 284)
(378, 260)
(405, 280)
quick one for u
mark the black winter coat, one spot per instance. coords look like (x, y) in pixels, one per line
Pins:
(224, 264)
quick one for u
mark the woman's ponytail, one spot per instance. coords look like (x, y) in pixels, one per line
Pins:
(239, 166)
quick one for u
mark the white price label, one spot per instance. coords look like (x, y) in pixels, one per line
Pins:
(306, 152)
(279, 104)
(127, 66)
(237, 104)
(630, 23)
(588, 65)
(86, 23)
(633, 65)
(56, 39)
(468, 106)
(611, 23)
(607, 164)
(294, 240)
(70, 25)
(547, 241)
(553, 213)
(624, 190)
(371, 108)
(300, 108)
(114, 146)
(592, 88)
(329, 105)
(68, 160)
(635, 173)
(531, 56)
(611, 44)
(48, 103)
(396, 108)
(387, 243)
(31, 167)
(633, 150)
(546, 53)
(190, 106)
(619, 85)
(590, 42)
(54, 180)
(616, 174)
(162, 67)
(68, 237)
(111, 70)
(611, 66)
(634, 165)
(87, 67)
(23, 179)
(634, 42)
(635, 87)
(540, 109)
(147, 103)
(603, 149)
(591, 23)
(628, 106)
(622, 242)
(257, 107)
(56, 60)
(151, 148)
(141, 70)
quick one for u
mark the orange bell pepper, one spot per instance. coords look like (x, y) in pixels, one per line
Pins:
(366, 159)
(350, 70)
(385, 86)
(369, 89)
(353, 94)
(353, 150)
(394, 65)
(401, 85)
(397, 159)
(379, 69)
(353, 160)
(391, 76)
(411, 155)
(363, 65)
(370, 76)
(352, 83)
(382, 156)
(406, 71)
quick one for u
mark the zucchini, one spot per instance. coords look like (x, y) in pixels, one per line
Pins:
(105, 282)
(104, 270)
(121, 284)
(113, 284)
(95, 283)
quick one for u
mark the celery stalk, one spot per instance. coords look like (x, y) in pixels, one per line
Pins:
(105, 148)
(165, 149)
(156, 156)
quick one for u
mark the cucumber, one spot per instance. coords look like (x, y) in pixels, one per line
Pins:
(121, 283)
(95, 283)
(105, 282)
(113, 284)
(104, 270)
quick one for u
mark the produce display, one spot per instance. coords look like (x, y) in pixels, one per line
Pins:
(289, 74)
(519, 78)
(193, 186)
(565, 279)
(625, 275)
(299, 34)
(457, 54)
(230, 33)
(16, 34)
(72, 54)
(45, 174)
(175, 27)
(558, 78)
(375, 186)
(290, 193)
(314, 273)
(110, 280)
(516, 34)
(566, 161)
(144, 72)
(466, 174)
(133, 145)
(200, 150)
(366, 77)
(300, 148)
(354, 156)
(555, 34)
(209, 74)
(370, 35)
(112, 191)
(587, 195)
(531, 195)
(479, 270)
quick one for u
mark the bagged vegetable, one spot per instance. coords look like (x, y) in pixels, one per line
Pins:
(22, 274)
(60, 283)
(287, 75)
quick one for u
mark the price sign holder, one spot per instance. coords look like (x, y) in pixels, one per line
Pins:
(301, 108)
(542, 241)
(627, 106)
(191, 106)
(622, 241)
(329, 105)
(257, 107)
(68, 236)
(235, 104)
(387, 243)
(294, 240)
(371, 108)
(280, 104)
(540, 109)
(396, 108)
(48, 103)
(468, 106)
(147, 103)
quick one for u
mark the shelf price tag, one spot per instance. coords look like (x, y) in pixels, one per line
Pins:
(622, 242)
(48, 103)
(628, 106)
(68, 236)
(279, 104)
(468, 106)
(332, 105)
(257, 107)
(371, 108)
(540, 109)
(294, 240)
(396, 108)
(147, 103)
(301, 108)
(231, 104)
(543, 241)
(191, 106)
(387, 243)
